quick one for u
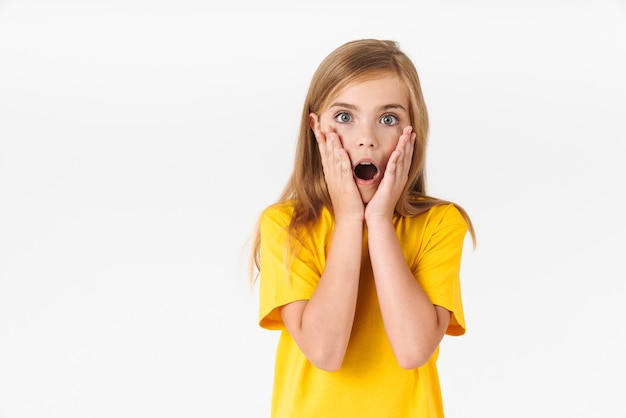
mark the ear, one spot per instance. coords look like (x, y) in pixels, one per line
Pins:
(314, 121)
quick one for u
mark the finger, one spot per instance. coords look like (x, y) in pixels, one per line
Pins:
(331, 140)
(325, 142)
(408, 149)
(405, 137)
(319, 136)
(405, 146)
(339, 154)
(400, 159)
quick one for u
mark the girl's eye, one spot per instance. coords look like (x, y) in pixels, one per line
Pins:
(343, 117)
(389, 120)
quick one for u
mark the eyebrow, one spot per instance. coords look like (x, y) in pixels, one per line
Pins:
(353, 107)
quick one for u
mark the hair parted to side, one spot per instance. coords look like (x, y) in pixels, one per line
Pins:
(353, 62)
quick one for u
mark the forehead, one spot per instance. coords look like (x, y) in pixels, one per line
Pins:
(382, 90)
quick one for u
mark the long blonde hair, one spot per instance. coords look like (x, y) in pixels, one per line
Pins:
(353, 62)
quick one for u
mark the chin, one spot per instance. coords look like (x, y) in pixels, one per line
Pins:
(367, 195)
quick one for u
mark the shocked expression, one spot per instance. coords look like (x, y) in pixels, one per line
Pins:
(369, 117)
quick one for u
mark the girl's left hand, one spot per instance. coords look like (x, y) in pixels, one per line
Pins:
(383, 203)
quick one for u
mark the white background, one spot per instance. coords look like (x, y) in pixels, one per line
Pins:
(139, 140)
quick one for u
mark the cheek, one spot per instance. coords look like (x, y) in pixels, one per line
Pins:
(389, 139)
(326, 120)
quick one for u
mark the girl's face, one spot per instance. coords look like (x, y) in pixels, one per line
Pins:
(369, 117)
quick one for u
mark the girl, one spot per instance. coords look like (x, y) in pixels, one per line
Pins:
(358, 267)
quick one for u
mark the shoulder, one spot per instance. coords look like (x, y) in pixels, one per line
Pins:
(446, 214)
(280, 212)
(283, 212)
(437, 213)
(442, 221)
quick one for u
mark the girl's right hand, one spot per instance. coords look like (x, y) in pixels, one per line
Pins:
(338, 174)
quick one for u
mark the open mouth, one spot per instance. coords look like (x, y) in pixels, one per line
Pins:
(365, 171)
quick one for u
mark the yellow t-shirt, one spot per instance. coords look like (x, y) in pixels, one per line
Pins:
(370, 383)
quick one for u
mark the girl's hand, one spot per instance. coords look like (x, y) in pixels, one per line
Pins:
(394, 179)
(342, 188)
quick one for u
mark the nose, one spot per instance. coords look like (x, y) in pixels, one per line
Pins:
(367, 138)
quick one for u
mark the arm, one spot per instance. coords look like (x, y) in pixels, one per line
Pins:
(322, 325)
(413, 324)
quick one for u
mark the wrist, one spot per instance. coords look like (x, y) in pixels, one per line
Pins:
(349, 219)
(374, 221)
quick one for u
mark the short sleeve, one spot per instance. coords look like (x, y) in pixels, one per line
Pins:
(439, 263)
(285, 275)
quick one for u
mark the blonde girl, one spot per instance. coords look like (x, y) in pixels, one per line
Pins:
(358, 267)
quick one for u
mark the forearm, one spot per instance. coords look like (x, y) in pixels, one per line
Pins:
(326, 319)
(413, 324)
